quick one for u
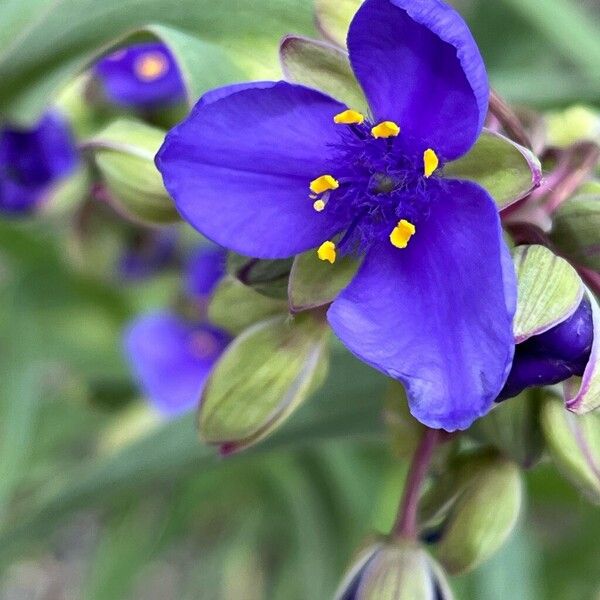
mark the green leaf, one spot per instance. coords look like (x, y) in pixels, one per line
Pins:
(506, 170)
(333, 18)
(263, 376)
(124, 154)
(574, 445)
(45, 43)
(324, 67)
(235, 306)
(576, 230)
(268, 277)
(582, 394)
(315, 283)
(549, 291)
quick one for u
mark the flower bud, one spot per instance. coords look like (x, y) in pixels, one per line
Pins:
(474, 507)
(574, 444)
(124, 154)
(573, 124)
(394, 570)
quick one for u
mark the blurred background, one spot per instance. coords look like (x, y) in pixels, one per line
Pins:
(103, 498)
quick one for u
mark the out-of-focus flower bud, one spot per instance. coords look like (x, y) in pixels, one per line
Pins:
(124, 153)
(394, 570)
(149, 252)
(573, 124)
(553, 356)
(142, 76)
(38, 167)
(514, 429)
(204, 269)
(472, 509)
(574, 444)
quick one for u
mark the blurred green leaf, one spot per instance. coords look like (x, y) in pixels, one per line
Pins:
(549, 290)
(261, 379)
(506, 170)
(324, 67)
(45, 43)
(333, 18)
(315, 283)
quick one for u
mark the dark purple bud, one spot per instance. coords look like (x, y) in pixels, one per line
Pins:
(32, 160)
(149, 253)
(141, 76)
(553, 356)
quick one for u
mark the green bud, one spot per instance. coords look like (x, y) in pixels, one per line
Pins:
(576, 229)
(474, 507)
(549, 290)
(235, 306)
(124, 154)
(573, 124)
(394, 570)
(574, 445)
(514, 428)
(262, 378)
(268, 277)
(68, 193)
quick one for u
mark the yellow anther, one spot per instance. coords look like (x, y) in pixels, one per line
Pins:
(151, 65)
(319, 205)
(349, 117)
(324, 184)
(430, 162)
(402, 233)
(327, 252)
(387, 129)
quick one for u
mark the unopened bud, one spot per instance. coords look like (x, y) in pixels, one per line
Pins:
(573, 124)
(574, 444)
(394, 570)
(124, 154)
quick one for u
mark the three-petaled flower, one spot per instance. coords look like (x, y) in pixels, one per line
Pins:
(272, 169)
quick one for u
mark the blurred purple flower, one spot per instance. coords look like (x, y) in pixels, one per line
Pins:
(149, 253)
(172, 358)
(203, 271)
(553, 356)
(141, 76)
(272, 169)
(32, 161)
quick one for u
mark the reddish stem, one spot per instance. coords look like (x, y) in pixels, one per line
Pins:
(406, 521)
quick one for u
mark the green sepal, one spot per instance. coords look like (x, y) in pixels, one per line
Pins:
(66, 194)
(334, 17)
(267, 277)
(324, 67)
(235, 306)
(549, 291)
(508, 171)
(576, 230)
(261, 379)
(315, 283)
(124, 154)
(574, 444)
(478, 502)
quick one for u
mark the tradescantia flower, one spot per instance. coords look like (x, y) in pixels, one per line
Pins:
(272, 169)
(553, 356)
(171, 359)
(141, 76)
(32, 161)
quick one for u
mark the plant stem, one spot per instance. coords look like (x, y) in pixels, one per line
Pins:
(406, 521)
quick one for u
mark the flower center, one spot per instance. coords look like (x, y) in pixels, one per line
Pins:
(375, 188)
(151, 66)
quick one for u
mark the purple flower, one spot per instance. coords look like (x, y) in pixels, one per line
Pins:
(553, 356)
(272, 169)
(141, 76)
(172, 358)
(149, 253)
(32, 161)
(204, 269)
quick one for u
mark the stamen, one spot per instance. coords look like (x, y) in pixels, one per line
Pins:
(319, 205)
(386, 129)
(327, 252)
(324, 184)
(151, 66)
(430, 162)
(349, 117)
(402, 233)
